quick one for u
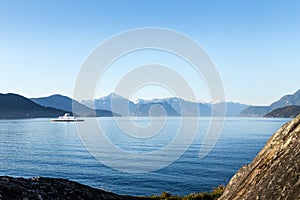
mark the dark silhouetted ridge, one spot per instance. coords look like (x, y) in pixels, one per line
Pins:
(13, 106)
(285, 112)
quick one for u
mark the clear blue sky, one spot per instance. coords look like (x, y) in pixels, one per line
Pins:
(254, 44)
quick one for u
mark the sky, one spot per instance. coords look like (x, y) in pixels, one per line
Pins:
(255, 44)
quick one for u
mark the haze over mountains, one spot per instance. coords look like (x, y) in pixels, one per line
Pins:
(171, 106)
(16, 106)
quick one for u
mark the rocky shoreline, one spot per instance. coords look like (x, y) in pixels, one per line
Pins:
(41, 188)
(52, 188)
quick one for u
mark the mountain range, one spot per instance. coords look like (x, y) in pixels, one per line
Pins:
(112, 102)
(16, 106)
(65, 103)
(172, 106)
(260, 111)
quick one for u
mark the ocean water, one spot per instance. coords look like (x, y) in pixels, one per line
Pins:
(37, 147)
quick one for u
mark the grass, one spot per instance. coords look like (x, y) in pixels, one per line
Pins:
(214, 195)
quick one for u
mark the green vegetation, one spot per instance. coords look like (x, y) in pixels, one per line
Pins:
(214, 195)
(285, 112)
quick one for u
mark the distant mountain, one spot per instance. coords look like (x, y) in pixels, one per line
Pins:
(112, 102)
(233, 109)
(59, 102)
(66, 103)
(285, 112)
(186, 108)
(173, 106)
(142, 107)
(288, 100)
(104, 107)
(155, 109)
(255, 111)
(13, 106)
(259, 111)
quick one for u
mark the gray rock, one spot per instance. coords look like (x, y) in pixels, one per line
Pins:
(274, 173)
(52, 188)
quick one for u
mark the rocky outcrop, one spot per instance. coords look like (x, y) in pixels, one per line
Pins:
(51, 188)
(274, 173)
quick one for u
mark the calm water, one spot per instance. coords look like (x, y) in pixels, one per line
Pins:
(37, 147)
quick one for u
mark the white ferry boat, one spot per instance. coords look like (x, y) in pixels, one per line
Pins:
(66, 118)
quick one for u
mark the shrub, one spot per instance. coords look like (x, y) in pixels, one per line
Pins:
(214, 195)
